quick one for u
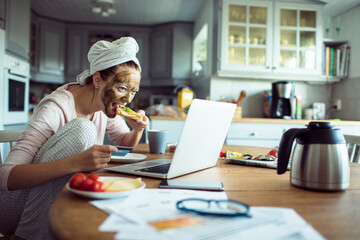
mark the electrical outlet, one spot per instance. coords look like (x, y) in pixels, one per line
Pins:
(337, 104)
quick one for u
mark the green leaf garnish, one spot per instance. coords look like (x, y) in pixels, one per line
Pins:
(130, 110)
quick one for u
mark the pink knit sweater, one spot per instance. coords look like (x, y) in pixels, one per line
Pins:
(52, 113)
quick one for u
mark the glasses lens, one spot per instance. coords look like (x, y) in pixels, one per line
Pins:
(232, 207)
(215, 207)
(195, 204)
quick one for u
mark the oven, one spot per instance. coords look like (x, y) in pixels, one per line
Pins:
(16, 91)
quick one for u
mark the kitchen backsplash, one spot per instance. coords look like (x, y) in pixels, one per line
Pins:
(252, 105)
(348, 91)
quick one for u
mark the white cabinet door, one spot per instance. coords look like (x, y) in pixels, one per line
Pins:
(247, 36)
(271, 40)
(255, 134)
(297, 39)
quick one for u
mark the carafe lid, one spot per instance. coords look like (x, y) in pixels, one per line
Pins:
(321, 132)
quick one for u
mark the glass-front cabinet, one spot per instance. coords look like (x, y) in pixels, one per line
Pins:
(247, 37)
(297, 39)
(271, 38)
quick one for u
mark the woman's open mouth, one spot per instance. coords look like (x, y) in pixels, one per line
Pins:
(114, 106)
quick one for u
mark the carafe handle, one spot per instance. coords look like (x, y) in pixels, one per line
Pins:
(285, 148)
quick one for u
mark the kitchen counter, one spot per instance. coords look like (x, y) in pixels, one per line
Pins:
(265, 120)
(265, 132)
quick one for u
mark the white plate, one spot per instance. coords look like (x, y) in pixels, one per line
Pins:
(128, 158)
(106, 195)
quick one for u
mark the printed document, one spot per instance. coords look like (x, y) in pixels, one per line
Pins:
(152, 214)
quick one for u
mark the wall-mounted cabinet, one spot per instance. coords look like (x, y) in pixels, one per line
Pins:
(2, 14)
(18, 28)
(142, 38)
(80, 39)
(76, 53)
(171, 54)
(271, 40)
(50, 52)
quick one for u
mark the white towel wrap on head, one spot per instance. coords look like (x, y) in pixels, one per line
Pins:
(104, 54)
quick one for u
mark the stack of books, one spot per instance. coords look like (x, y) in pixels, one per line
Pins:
(336, 60)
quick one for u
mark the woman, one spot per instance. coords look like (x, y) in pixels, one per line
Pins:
(65, 135)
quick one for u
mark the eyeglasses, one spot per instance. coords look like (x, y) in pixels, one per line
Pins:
(213, 207)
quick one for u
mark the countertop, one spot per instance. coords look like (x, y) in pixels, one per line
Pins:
(264, 120)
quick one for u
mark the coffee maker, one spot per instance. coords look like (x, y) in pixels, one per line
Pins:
(283, 100)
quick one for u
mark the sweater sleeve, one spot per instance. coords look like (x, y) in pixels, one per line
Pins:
(47, 120)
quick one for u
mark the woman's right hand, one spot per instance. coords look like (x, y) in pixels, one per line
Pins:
(95, 158)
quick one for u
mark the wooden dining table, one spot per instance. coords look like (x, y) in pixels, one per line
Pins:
(335, 215)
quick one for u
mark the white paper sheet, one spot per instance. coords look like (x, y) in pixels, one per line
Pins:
(152, 214)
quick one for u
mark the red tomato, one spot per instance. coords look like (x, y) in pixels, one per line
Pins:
(85, 185)
(76, 180)
(82, 175)
(97, 186)
(93, 176)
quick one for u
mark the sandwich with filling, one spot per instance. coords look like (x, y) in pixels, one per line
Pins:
(127, 112)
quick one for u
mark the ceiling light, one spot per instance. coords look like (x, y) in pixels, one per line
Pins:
(103, 7)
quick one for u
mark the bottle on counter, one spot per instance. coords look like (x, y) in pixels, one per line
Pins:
(185, 96)
(298, 112)
(267, 103)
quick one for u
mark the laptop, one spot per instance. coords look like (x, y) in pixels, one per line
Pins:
(202, 137)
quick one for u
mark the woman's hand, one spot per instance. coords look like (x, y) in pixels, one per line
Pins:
(95, 158)
(139, 124)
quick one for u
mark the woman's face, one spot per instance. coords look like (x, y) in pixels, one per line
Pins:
(120, 89)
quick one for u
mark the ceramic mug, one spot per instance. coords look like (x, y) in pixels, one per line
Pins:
(157, 141)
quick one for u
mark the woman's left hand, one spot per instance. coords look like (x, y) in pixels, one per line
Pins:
(139, 124)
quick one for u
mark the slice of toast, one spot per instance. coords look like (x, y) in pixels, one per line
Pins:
(121, 184)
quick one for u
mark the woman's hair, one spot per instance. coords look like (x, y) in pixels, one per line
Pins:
(106, 73)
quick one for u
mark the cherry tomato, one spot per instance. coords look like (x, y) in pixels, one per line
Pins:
(93, 176)
(76, 180)
(85, 185)
(97, 186)
(82, 175)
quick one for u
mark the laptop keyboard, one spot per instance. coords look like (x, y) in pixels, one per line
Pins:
(156, 169)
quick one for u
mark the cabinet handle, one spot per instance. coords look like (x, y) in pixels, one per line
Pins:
(267, 67)
(254, 134)
(273, 68)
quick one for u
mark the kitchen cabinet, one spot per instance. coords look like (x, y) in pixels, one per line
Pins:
(18, 28)
(255, 134)
(269, 134)
(50, 52)
(271, 40)
(2, 14)
(171, 53)
(142, 38)
(76, 53)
